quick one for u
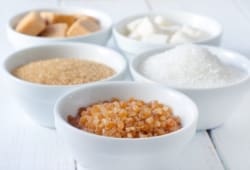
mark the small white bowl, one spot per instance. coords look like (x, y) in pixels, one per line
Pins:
(99, 152)
(215, 104)
(19, 40)
(134, 47)
(38, 99)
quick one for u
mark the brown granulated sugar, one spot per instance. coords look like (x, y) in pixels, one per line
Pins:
(63, 71)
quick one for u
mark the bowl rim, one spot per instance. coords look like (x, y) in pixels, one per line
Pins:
(76, 10)
(135, 71)
(63, 122)
(165, 13)
(66, 44)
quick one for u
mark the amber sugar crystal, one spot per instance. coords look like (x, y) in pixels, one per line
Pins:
(126, 119)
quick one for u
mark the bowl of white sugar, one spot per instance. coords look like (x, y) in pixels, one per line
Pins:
(216, 79)
(139, 33)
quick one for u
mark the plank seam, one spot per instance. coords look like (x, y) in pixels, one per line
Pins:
(209, 132)
(75, 164)
(241, 10)
(148, 5)
(59, 3)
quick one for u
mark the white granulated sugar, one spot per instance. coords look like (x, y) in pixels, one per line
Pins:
(189, 66)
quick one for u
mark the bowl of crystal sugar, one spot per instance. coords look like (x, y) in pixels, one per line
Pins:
(216, 79)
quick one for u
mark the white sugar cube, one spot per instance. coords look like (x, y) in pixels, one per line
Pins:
(192, 32)
(132, 25)
(163, 22)
(180, 37)
(156, 38)
(142, 29)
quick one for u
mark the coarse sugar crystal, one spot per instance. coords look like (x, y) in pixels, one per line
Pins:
(132, 118)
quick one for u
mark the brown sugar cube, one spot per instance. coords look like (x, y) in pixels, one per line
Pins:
(83, 27)
(55, 30)
(53, 18)
(63, 18)
(81, 16)
(31, 24)
(48, 17)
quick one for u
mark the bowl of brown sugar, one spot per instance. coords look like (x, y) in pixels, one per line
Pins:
(37, 76)
(125, 125)
(51, 25)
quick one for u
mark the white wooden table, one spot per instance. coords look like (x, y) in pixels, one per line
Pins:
(26, 146)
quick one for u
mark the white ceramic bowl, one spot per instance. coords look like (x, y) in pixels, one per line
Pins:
(38, 99)
(215, 104)
(19, 40)
(96, 152)
(134, 47)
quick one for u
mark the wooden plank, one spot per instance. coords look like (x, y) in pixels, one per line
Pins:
(232, 140)
(27, 146)
(244, 7)
(24, 145)
(198, 155)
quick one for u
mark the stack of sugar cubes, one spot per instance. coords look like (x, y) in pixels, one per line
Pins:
(161, 30)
